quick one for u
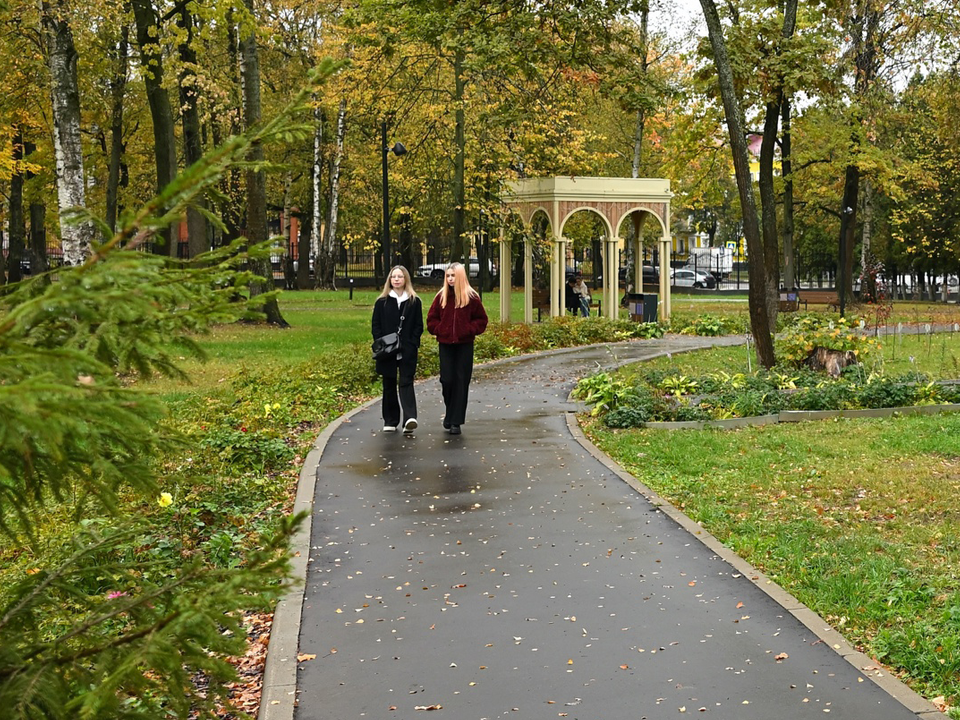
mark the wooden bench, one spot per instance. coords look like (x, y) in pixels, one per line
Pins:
(821, 297)
(541, 302)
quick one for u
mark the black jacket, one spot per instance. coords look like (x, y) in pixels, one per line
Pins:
(386, 319)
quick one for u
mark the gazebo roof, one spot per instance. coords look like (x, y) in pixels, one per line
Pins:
(613, 198)
(587, 189)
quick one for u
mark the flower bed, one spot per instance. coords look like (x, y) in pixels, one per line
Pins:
(671, 396)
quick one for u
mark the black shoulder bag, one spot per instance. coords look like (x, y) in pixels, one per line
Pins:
(389, 344)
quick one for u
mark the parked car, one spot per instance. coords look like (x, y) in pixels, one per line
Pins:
(685, 277)
(436, 270)
(651, 276)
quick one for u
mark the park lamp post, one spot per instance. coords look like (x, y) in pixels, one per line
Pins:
(398, 149)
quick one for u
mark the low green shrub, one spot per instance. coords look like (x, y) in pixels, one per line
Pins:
(601, 390)
(885, 392)
(745, 402)
(490, 346)
(666, 395)
(246, 451)
(649, 330)
(828, 395)
(626, 417)
(708, 325)
(636, 405)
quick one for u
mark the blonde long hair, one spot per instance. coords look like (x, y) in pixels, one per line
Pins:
(462, 290)
(407, 282)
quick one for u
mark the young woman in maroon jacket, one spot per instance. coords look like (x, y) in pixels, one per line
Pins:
(456, 317)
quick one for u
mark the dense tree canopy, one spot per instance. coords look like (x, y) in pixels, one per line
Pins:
(481, 93)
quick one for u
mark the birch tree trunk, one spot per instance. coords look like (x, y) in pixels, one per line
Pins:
(637, 144)
(330, 243)
(76, 238)
(304, 243)
(317, 171)
(255, 177)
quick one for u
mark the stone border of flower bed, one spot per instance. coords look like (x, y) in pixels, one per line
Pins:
(793, 416)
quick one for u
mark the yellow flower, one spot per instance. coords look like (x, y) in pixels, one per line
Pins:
(165, 500)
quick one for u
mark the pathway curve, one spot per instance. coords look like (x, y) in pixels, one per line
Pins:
(513, 572)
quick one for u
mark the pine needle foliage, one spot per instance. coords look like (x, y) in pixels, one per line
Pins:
(115, 616)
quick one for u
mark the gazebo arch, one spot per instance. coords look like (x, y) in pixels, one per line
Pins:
(614, 200)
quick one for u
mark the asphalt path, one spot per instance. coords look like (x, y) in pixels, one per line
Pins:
(514, 572)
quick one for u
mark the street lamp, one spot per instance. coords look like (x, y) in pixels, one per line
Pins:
(398, 149)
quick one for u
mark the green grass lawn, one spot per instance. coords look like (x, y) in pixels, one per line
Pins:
(936, 355)
(320, 320)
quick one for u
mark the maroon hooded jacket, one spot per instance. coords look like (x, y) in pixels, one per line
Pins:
(454, 325)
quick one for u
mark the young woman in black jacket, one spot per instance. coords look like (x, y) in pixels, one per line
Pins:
(398, 299)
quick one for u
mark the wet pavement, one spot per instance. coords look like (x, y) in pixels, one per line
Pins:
(510, 573)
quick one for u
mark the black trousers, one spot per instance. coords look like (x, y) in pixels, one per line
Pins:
(399, 396)
(456, 370)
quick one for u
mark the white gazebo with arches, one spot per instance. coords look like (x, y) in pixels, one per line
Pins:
(614, 200)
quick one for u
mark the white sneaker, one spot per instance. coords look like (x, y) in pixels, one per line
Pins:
(389, 428)
(409, 426)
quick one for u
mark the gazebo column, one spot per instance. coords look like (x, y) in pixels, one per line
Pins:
(637, 265)
(611, 277)
(506, 252)
(527, 280)
(665, 276)
(637, 259)
(560, 264)
(554, 278)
